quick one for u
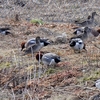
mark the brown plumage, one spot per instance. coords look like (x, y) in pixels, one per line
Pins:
(37, 56)
(22, 45)
(95, 32)
(98, 31)
(86, 33)
(83, 36)
(88, 21)
(41, 54)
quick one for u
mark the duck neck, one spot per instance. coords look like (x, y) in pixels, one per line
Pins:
(37, 41)
(85, 35)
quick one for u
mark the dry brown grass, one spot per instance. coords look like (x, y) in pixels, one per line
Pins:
(74, 69)
(20, 76)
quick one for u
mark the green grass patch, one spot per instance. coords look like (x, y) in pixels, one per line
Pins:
(5, 65)
(50, 71)
(90, 77)
(37, 21)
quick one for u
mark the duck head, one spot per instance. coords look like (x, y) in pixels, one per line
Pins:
(37, 39)
(22, 45)
(37, 56)
(94, 13)
(98, 31)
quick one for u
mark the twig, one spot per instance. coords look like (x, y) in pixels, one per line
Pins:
(13, 94)
(29, 94)
(39, 67)
(96, 46)
(15, 58)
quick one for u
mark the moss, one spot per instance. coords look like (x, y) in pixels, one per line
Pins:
(5, 65)
(37, 21)
(50, 71)
(30, 67)
(93, 76)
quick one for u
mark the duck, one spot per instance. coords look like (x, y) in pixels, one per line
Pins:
(33, 41)
(48, 59)
(86, 32)
(88, 21)
(4, 31)
(83, 36)
(35, 47)
(77, 44)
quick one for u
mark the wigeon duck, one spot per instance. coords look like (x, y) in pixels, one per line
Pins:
(77, 44)
(33, 41)
(35, 47)
(86, 32)
(83, 36)
(4, 31)
(48, 58)
(89, 21)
